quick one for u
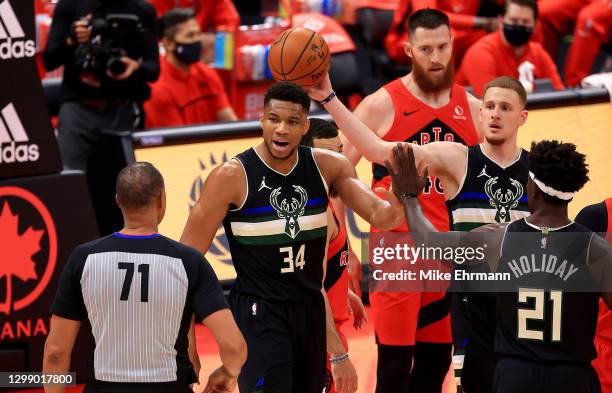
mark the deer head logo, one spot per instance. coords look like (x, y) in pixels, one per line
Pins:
(503, 200)
(290, 211)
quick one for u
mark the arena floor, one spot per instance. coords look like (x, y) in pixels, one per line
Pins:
(361, 348)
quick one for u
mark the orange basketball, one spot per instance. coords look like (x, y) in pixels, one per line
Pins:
(299, 55)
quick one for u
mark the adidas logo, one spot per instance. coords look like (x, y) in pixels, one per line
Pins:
(12, 44)
(14, 146)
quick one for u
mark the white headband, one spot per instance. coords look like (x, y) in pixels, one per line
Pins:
(566, 196)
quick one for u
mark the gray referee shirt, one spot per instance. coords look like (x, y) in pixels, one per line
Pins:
(139, 293)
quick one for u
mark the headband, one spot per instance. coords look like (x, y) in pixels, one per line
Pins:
(566, 196)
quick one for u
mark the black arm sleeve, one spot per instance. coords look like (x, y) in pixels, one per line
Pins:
(594, 217)
(68, 301)
(149, 68)
(57, 51)
(207, 295)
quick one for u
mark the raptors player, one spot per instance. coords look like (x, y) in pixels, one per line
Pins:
(422, 107)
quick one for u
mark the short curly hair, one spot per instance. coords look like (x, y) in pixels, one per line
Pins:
(288, 91)
(558, 165)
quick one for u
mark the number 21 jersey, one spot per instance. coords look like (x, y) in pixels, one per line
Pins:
(550, 317)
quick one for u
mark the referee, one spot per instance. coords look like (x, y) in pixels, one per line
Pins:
(139, 290)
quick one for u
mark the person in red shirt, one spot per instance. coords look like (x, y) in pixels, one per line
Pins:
(466, 27)
(212, 15)
(187, 91)
(509, 52)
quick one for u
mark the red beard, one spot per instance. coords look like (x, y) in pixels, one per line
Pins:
(430, 84)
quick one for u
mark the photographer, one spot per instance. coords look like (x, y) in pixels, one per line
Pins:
(109, 52)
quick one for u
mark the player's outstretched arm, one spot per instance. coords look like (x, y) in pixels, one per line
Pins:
(407, 184)
(58, 348)
(341, 176)
(226, 185)
(362, 139)
(447, 160)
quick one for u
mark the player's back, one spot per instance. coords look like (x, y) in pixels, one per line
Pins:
(551, 317)
(139, 293)
(416, 122)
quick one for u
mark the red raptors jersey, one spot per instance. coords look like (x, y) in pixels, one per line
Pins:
(336, 281)
(604, 322)
(419, 123)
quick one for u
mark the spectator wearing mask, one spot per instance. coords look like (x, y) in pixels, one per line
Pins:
(467, 27)
(188, 91)
(509, 52)
(212, 16)
(98, 96)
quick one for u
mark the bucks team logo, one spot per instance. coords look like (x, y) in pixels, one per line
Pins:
(291, 210)
(503, 199)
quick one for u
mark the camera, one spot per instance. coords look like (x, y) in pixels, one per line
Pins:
(112, 37)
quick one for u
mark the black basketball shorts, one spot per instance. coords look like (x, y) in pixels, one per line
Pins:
(286, 344)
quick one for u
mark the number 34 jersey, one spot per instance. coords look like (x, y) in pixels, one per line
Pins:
(277, 237)
(548, 312)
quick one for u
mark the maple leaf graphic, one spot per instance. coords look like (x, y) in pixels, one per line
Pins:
(17, 258)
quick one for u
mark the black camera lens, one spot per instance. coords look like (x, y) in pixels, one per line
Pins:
(116, 66)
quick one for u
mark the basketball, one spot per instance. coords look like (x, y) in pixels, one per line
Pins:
(299, 55)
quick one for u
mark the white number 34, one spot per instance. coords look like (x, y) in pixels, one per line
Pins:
(290, 261)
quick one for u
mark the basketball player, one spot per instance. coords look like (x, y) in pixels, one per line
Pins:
(598, 218)
(476, 182)
(139, 290)
(423, 106)
(323, 134)
(545, 333)
(272, 200)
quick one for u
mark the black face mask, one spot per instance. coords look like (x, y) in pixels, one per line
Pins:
(517, 35)
(189, 53)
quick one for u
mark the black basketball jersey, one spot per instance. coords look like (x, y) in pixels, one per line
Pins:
(277, 237)
(542, 320)
(489, 193)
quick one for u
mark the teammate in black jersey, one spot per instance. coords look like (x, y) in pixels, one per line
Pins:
(140, 290)
(272, 200)
(544, 333)
(482, 184)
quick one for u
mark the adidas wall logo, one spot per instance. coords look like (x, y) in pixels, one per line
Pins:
(14, 141)
(13, 44)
